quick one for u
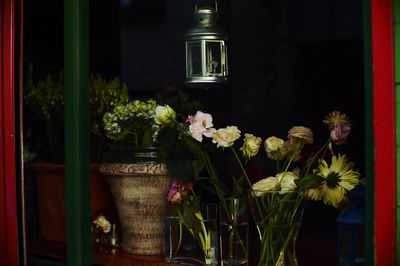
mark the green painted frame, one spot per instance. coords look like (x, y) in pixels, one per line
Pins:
(369, 138)
(76, 97)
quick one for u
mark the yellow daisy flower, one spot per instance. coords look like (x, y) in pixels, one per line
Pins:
(339, 178)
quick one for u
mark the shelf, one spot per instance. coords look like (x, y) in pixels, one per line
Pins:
(311, 251)
(56, 250)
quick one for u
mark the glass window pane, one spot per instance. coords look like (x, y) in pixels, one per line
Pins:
(193, 64)
(213, 58)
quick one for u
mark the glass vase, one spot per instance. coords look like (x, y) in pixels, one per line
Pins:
(278, 218)
(234, 231)
(182, 243)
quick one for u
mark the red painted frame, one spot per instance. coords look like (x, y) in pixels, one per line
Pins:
(384, 131)
(8, 202)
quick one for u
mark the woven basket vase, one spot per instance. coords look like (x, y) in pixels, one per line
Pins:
(139, 190)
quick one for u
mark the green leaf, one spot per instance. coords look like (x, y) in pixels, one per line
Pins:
(179, 163)
(167, 136)
(147, 140)
(309, 181)
(191, 222)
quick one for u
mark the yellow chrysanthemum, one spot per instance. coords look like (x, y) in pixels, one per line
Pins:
(339, 178)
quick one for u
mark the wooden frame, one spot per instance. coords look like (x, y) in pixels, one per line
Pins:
(382, 143)
(8, 199)
(384, 131)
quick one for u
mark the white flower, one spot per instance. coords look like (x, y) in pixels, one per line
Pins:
(251, 145)
(275, 148)
(286, 181)
(201, 125)
(103, 223)
(264, 185)
(164, 115)
(225, 137)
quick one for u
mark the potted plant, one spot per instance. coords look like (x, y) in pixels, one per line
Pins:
(136, 172)
(45, 99)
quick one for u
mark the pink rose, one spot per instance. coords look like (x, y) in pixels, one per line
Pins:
(201, 125)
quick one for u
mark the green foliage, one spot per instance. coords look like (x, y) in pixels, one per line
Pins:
(104, 96)
(309, 181)
(177, 99)
(132, 123)
(46, 97)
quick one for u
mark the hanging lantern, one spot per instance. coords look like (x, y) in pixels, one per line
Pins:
(206, 50)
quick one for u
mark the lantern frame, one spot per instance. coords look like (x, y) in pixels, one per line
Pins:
(206, 51)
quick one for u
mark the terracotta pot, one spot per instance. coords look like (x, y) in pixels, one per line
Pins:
(50, 181)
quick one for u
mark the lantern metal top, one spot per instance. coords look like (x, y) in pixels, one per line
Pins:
(206, 28)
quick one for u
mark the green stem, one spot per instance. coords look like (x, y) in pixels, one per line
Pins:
(241, 166)
(323, 148)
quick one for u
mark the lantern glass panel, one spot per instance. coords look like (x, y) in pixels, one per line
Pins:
(193, 62)
(214, 58)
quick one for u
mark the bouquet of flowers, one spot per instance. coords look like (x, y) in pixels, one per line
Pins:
(276, 200)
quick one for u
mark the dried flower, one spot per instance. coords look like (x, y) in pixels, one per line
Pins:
(335, 118)
(340, 126)
(251, 145)
(340, 133)
(201, 125)
(225, 137)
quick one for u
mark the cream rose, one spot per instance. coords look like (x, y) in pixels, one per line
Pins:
(103, 223)
(300, 134)
(286, 181)
(264, 185)
(251, 145)
(275, 148)
(164, 115)
(225, 137)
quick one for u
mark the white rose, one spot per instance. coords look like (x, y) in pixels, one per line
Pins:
(286, 181)
(264, 185)
(164, 115)
(251, 145)
(225, 137)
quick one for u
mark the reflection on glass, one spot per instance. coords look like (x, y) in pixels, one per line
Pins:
(213, 56)
(193, 66)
